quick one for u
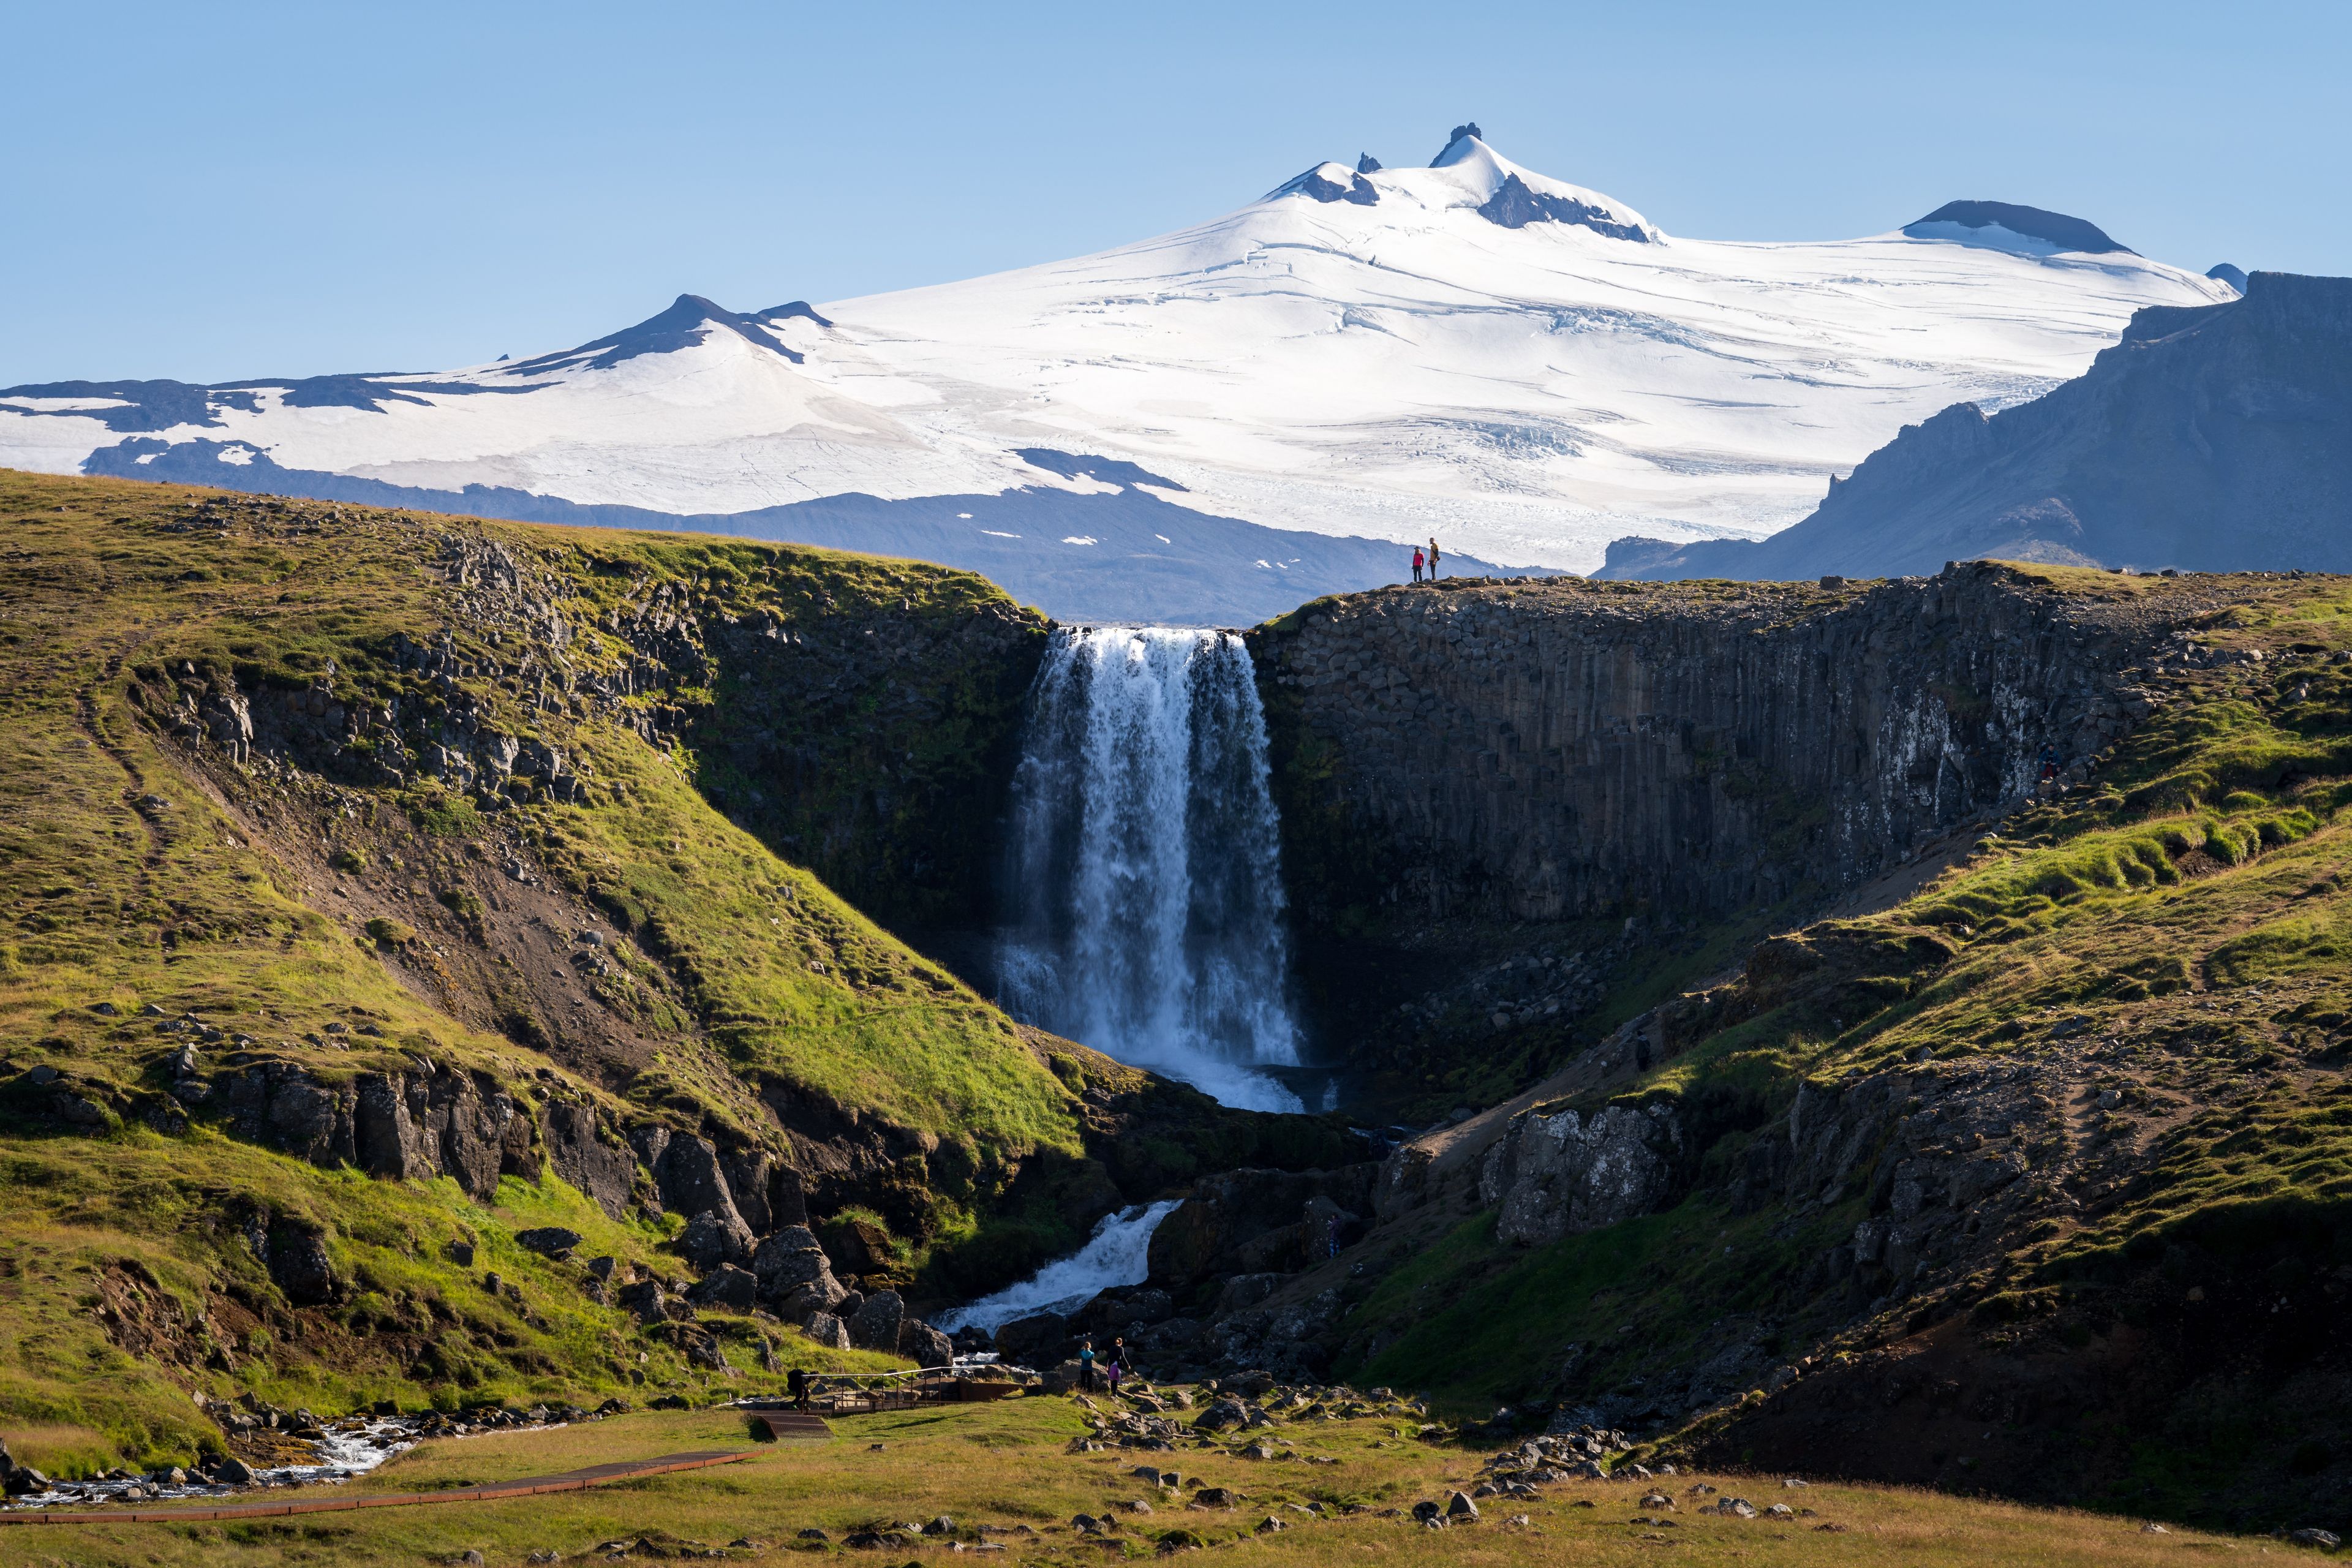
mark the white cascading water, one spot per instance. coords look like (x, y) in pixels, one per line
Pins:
(1146, 904)
(1119, 1253)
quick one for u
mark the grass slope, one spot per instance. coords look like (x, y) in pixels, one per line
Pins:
(139, 868)
(1003, 1470)
(2171, 940)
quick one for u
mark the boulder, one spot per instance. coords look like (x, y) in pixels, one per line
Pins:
(1221, 1414)
(876, 1326)
(548, 1241)
(828, 1330)
(1031, 1340)
(923, 1345)
(691, 1181)
(714, 1237)
(795, 1278)
(644, 1298)
(727, 1287)
(1124, 1309)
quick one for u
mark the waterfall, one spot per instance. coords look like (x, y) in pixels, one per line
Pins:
(1119, 1253)
(1145, 905)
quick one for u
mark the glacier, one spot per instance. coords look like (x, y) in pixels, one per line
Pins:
(1363, 357)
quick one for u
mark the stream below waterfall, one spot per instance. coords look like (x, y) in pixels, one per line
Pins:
(1144, 905)
(1119, 1253)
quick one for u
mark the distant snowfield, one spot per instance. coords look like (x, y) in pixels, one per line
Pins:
(1390, 361)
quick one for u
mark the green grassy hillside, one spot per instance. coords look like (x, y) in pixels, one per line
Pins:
(332, 796)
(2040, 1180)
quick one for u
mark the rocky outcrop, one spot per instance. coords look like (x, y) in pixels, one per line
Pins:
(580, 1153)
(404, 1126)
(1247, 1222)
(1546, 750)
(1558, 1171)
(691, 1177)
(296, 1254)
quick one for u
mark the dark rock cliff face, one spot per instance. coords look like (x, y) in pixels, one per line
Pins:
(1540, 753)
(2213, 438)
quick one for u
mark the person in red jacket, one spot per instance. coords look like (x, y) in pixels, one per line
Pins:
(1416, 562)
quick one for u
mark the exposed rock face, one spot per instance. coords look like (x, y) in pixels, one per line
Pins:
(714, 1237)
(583, 1156)
(748, 1174)
(1547, 751)
(2213, 438)
(298, 1261)
(1557, 1172)
(406, 1127)
(1245, 1222)
(687, 1173)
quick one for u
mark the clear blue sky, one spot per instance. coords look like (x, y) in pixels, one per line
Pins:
(208, 192)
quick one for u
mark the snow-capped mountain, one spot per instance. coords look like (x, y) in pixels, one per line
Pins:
(2215, 439)
(1521, 366)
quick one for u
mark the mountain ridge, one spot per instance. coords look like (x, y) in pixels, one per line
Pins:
(1520, 366)
(2210, 437)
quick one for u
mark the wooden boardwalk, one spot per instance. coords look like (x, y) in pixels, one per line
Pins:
(794, 1425)
(533, 1486)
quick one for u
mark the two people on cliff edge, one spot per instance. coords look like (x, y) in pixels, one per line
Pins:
(1427, 563)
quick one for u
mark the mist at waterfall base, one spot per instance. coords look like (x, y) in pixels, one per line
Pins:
(1119, 1253)
(1145, 903)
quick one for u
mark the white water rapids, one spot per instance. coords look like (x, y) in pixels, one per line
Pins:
(1145, 902)
(350, 1447)
(1116, 1254)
